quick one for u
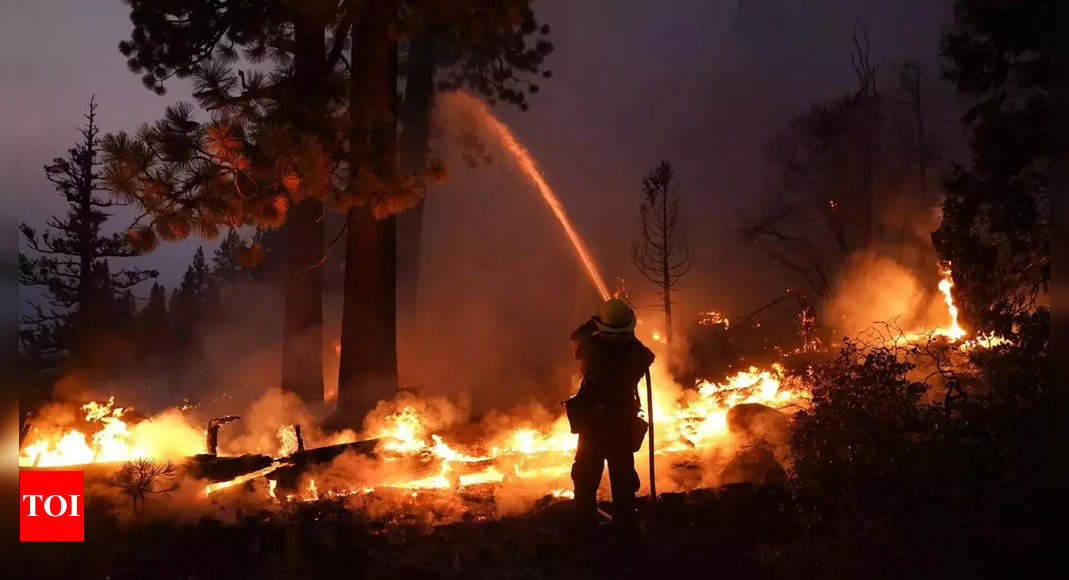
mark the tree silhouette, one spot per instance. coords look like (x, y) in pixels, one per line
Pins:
(839, 164)
(996, 216)
(82, 294)
(661, 253)
(141, 477)
(153, 318)
(266, 157)
(279, 138)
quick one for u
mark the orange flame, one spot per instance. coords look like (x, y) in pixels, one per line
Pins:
(108, 437)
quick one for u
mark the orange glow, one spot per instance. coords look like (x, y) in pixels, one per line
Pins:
(214, 487)
(953, 331)
(713, 318)
(107, 437)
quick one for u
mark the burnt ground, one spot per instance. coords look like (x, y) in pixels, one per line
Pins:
(739, 531)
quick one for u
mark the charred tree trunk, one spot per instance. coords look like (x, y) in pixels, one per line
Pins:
(415, 117)
(367, 370)
(666, 284)
(302, 334)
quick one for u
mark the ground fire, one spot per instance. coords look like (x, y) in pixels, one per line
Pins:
(700, 430)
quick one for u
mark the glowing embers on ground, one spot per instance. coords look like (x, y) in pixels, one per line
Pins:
(713, 318)
(105, 433)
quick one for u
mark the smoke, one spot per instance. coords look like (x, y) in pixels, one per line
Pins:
(500, 287)
(876, 288)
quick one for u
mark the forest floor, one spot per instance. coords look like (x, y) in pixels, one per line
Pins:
(737, 531)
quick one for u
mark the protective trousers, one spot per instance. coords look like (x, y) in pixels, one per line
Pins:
(590, 458)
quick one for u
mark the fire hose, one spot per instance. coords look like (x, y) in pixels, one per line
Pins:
(653, 476)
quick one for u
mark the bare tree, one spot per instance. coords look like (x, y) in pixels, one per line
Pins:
(839, 164)
(662, 253)
(141, 477)
(911, 75)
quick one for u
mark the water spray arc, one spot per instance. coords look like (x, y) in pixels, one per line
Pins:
(527, 164)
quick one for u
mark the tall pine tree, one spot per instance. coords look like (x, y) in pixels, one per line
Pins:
(276, 139)
(267, 155)
(83, 295)
(479, 44)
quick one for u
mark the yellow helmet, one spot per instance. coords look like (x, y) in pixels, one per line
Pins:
(615, 317)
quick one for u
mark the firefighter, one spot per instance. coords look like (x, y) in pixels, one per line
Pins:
(604, 412)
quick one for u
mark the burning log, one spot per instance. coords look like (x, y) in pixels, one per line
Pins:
(215, 468)
(212, 442)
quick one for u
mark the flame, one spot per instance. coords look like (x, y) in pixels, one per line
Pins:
(214, 487)
(953, 331)
(693, 422)
(701, 421)
(287, 437)
(413, 456)
(108, 437)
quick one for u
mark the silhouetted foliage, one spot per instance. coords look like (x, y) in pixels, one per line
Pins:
(996, 216)
(82, 294)
(839, 167)
(860, 429)
(661, 253)
(141, 477)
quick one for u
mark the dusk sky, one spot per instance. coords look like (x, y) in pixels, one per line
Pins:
(702, 83)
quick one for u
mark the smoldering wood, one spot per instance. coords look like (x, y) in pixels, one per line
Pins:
(211, 443)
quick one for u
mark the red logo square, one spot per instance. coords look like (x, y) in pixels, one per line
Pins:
(52, 506)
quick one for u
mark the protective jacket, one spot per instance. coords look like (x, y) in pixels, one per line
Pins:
(611, 365)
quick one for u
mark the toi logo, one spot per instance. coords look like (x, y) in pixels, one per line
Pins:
(51, 506)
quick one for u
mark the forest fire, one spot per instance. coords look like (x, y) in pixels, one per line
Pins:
(412, 456)
(402, 290)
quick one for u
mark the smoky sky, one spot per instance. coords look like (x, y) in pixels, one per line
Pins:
(704, 83)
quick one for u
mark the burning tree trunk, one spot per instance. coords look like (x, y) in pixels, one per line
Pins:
(368, 367)
(211, 442)
(662, 254)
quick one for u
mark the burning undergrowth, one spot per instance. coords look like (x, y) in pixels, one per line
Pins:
(426, 460)
(415, 455)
